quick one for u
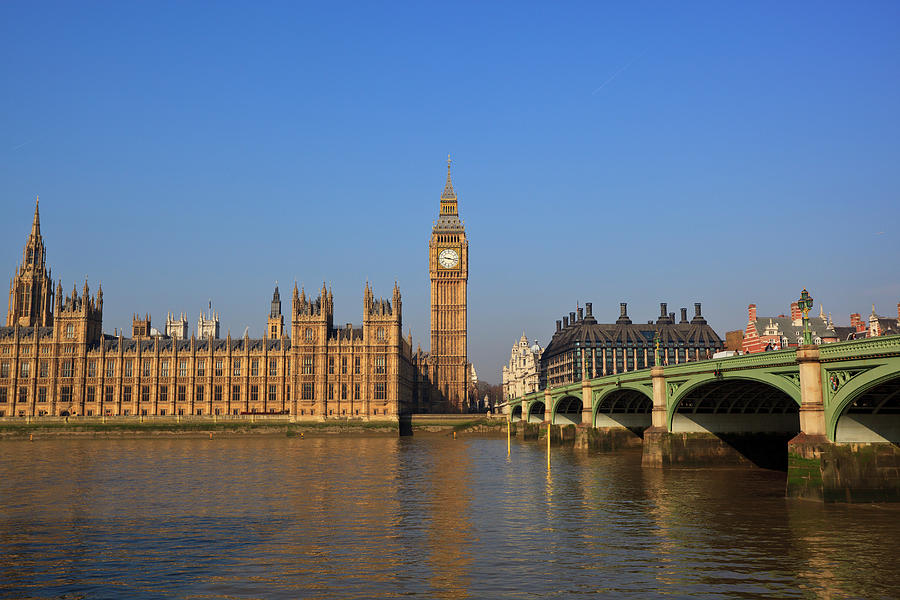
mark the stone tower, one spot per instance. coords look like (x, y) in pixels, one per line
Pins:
(275, 326)
(448, 266)
(31, 289)
(208, 326)
(79, 319)
(311, 322)
(177, 327)
(140, 326)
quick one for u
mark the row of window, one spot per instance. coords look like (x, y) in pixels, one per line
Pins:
(143, 392)
(649, 344)
(25, 350)
(109, 412)
(145, 367)
(309, 335)
(307, 391)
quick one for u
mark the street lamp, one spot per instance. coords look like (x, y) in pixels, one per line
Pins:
(805, 304)
(656, 349)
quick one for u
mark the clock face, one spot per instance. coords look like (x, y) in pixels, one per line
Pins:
(448, 258)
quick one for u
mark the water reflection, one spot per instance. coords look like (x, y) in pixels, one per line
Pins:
(333, 517)
(444, 472)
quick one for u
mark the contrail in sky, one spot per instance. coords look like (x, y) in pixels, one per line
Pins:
(619, 71)
(19, 146)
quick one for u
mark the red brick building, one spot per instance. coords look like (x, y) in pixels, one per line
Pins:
(775, 333)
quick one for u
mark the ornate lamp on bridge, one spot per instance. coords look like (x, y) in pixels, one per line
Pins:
(656, 350)
(805, 305)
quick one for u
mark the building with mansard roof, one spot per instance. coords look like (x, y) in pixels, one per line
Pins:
(56, 360)
(582, 348)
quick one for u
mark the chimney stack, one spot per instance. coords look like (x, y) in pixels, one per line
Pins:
(623, 309)
(558, 324)
(572, 318)
(581, 314)
(587, 308)
(565, 321)
(751, 312)
(662, 309)
(684, 315)
(699, 320)
(795, 311)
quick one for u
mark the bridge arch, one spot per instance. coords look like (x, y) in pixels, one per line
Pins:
(567, 410)
(866, 408)
(758, 402)
(515, 414)
(627, 406)
(536, 409)
(752, 416)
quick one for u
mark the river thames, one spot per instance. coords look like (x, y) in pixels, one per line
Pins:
(426, 517)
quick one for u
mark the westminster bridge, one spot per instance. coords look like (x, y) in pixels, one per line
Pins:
(829, 414)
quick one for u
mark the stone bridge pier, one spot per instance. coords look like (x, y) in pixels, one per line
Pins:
(845, 452)
(856, 460)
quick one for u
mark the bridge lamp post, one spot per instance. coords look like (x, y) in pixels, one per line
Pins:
(805, 304)
(656, 349)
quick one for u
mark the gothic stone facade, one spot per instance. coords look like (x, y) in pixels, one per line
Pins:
(55, 359)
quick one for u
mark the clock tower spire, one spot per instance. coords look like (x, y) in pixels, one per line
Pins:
(448, 266)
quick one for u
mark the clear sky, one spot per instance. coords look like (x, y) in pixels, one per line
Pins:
(719, 152)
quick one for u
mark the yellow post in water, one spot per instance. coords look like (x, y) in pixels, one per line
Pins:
(507, 436)
(548, 446)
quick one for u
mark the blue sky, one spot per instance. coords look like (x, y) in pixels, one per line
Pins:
(642, 152)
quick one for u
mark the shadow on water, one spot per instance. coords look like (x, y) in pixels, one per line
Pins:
(405, 424)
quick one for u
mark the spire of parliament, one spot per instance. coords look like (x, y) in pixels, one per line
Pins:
(36, 224)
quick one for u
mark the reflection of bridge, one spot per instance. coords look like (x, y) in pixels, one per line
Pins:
(838, 404)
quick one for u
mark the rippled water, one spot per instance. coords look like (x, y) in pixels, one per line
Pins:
(428, 517)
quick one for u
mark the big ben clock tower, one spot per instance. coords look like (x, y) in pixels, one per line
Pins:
(448, 266)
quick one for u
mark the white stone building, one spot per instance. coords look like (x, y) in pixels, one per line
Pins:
(176, 327)
(522, 375)
(208, 327)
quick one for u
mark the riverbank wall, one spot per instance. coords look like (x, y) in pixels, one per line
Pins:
(203, 426)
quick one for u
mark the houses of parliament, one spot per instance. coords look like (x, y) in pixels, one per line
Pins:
(56, 360)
